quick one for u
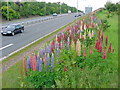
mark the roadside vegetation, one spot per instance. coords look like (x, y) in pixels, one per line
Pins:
(80, 57)
(16, 10)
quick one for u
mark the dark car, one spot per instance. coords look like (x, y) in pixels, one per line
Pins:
(77, 15)
(12, 29)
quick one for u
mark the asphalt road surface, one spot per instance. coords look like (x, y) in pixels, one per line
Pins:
(31, 33)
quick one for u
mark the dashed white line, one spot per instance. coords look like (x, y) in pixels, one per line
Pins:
(6, 46)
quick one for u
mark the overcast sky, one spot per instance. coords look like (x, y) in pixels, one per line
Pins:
(83, 3)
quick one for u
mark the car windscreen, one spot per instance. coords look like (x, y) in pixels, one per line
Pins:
(11, 27)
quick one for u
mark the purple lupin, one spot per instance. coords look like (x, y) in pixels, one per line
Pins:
(42, 51)
(48, 59)
(28, 63)
(56, 45)
(52, 61)
(39, 64)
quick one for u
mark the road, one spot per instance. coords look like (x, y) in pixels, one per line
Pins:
(31, 33)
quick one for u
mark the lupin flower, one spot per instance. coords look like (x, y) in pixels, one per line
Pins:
(100, 46)
(35, 56)
(83, 37)
(81, 27)
(84, 26)
(61, 45)
(42, 51)
(84, 54)
(93, 25)
(39, 64)
(78, 47)
(89, 34)
(65, 69)
(48, 59)
(72, 45)
(104, 53)
(68, 41)
(92, 33)
(44, 60)
(56, 45)
(106, 40)
(33, 63)
(58, 39)
(97, 43)
(28, 63)
(52, 61)
(110, 48)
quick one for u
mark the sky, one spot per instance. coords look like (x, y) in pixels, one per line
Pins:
(83, 3)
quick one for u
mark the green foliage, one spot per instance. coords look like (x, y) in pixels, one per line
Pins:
(42, 79)
(111, 7)
(26, 9)
(105, 24)
(90, 72)
(9, 13)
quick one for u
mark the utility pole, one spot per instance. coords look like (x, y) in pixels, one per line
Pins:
(77, 11)
(60, 7)
(7, 11)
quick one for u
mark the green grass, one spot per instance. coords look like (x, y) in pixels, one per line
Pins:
(10, 78)
(112, 32)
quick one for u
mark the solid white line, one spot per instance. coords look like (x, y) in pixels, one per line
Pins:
(6, 46)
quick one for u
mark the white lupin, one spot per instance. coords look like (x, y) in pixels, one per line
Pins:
(78, 47)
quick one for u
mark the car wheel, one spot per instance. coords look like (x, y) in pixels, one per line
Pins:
(13, 33)
(21, 31)
(2, 34)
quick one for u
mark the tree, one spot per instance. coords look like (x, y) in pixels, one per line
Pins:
(9, 16)
(110, 7)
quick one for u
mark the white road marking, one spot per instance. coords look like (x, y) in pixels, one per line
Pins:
(6, 46)
(29, 44)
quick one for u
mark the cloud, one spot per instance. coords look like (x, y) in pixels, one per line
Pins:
(83, 3)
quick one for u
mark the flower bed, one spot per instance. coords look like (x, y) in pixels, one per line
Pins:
(75, 58)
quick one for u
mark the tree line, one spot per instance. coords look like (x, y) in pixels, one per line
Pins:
(16, 10)
(113, 7)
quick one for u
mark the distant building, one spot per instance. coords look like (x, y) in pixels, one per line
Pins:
(88, 10)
